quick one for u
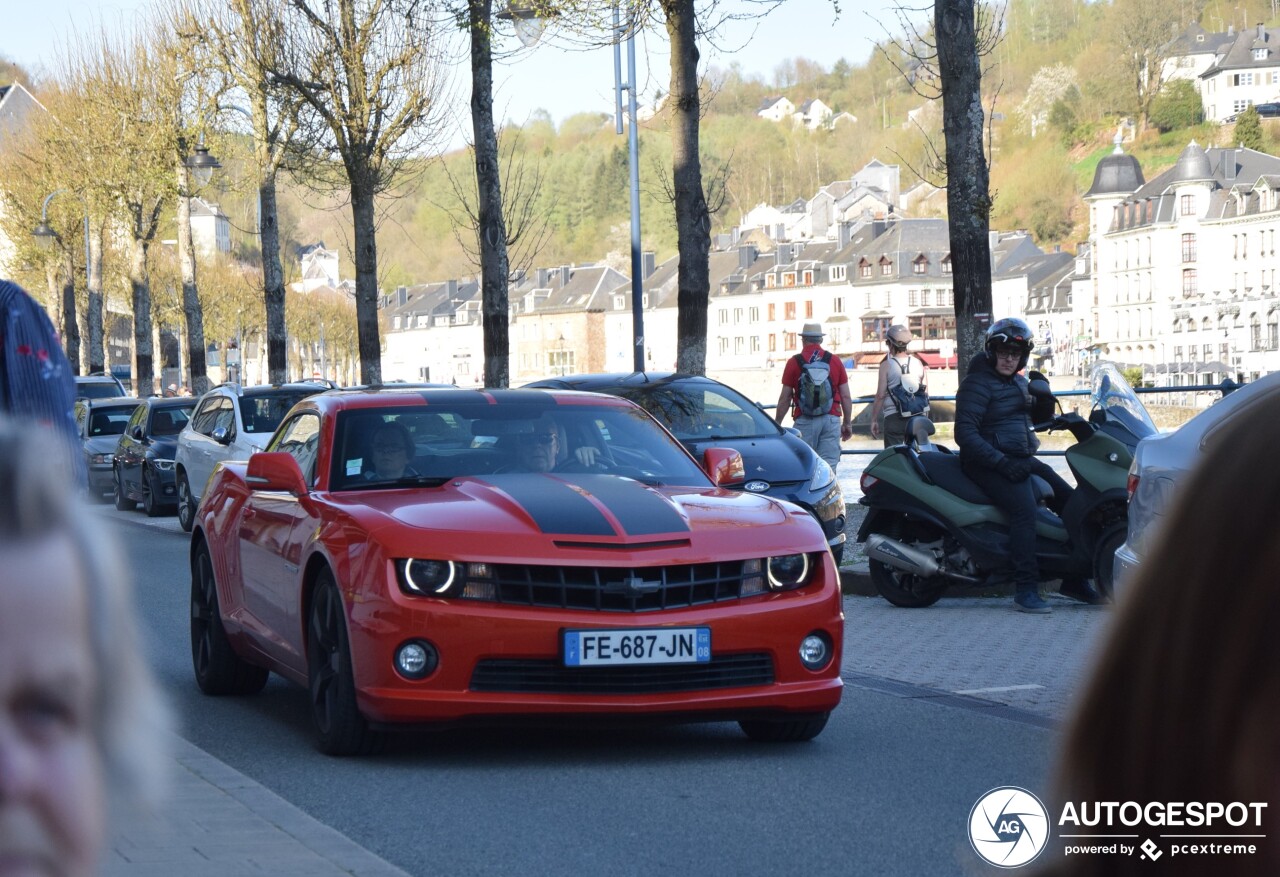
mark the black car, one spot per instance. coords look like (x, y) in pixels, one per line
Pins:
(143, 465)
(704, 413)
(99, 385)
(101, 422)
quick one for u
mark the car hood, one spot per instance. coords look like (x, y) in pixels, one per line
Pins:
(518, 515)
(101, 444)
(771, 458)
(165, 448)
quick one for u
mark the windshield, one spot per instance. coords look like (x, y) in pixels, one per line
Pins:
(109, 421)
(171, 420)
(261, 413)
(98, 390)
(695, 411)
(430, 444)
(1115, 405)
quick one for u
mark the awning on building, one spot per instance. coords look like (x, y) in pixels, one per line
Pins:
(933, 312)
(936, 360)
(869, 360)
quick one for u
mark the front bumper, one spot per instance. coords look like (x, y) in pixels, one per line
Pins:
(101, 479)
(471, 636)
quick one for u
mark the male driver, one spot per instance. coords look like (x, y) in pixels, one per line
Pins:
(822, 432)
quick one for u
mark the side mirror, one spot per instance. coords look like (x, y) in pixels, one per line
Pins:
(221, 435)
(138, 433)
(724, 465)
(275, 471)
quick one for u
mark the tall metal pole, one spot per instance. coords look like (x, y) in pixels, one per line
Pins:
(633, 161)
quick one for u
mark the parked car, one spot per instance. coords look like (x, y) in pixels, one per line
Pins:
(703, 413)
(100, 423)
(99, 385)
(450, 591)
(1162, 462)
(143, 469)
(231, 422)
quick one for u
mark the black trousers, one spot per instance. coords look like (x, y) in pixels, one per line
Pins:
(1018, 501)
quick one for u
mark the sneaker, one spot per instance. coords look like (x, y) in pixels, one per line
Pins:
(1082, 590)
(1030, 601)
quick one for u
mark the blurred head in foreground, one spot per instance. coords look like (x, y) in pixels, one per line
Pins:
(1184, 703)
(80, 717)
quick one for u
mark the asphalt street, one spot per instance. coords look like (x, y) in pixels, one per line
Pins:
(940, 705)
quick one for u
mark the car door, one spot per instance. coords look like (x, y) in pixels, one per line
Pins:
(206, 451)
(130, 451)
(274, 525)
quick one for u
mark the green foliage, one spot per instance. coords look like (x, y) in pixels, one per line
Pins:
(1248, 131)
(1177, 106)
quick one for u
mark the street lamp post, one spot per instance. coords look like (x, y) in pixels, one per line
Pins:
(46, 237)
(633, 162)
(197, 167)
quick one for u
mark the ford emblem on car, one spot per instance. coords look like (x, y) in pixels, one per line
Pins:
(757, 486)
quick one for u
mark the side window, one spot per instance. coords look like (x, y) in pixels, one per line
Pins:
(139, 418)
(301, 438)
(82, 418)
(205, 416)
(226, 417)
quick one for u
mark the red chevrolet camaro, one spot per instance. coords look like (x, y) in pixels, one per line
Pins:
(437, 556)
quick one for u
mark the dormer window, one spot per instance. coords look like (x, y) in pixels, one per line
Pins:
(770, 281)
(886, 266)
(1259, 54)
(619, 302)
(920, 265)
(864, 269)
(1199, 38)
(946, 264)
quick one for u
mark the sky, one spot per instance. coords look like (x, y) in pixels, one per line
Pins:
(548, 77)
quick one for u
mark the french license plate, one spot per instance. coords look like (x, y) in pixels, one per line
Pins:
(652, 645)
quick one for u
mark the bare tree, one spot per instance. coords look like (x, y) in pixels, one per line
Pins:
(244, 35)
(370, 71)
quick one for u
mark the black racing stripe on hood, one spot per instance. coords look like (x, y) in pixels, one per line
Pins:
(554, 506)
(639, 510)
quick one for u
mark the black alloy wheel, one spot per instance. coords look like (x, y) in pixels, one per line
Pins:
(1104, 557)
(186, 506)
(340, 726)
(219, 670)
(123, 503)
(150, 501)
(904, 589)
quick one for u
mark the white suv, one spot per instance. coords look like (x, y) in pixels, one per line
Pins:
(230, 423)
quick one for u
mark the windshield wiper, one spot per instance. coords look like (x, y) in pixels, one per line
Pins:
(409, 481)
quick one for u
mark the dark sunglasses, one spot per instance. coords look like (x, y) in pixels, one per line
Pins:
(540, 438)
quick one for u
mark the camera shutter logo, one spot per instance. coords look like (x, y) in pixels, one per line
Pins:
(1008, 827)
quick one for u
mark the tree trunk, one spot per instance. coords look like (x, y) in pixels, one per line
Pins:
(140, 283)
(272, 282)
(93, 316)
(693, 224)
(494, 269)
(366, 283)
(968, 184)
(197, 377)
(70, 327)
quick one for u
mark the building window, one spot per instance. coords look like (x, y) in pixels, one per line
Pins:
(886, 267)
(913, 298)
(1241, 79)
(790, 338)
(837, 272)
(737, 316)
(864, 269)
(753, 314)
(789, 310)
(1255, 333)
(1188, 203)
(755, 343)
(773, 312)
(1240, 106)
(1189, 287)
(770, 281)
(724, 318)
(723, 344)
(808, 310)
(920, 266)
(807, 278)
(946, 264)
(926, 298)
(789, 278)
(560, 362)
(738, 343)
(619, 302)
(773, 343)
(1188, 248)
(837, 305)
(1259, 54)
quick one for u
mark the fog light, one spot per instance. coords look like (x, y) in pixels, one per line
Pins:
(815, 651)
(416, 659)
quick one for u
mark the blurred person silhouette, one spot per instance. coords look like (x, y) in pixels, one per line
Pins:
(1184, 701)
(815, 389)
(543, 448)
(895, 370)
(36, 380)
(81, 722)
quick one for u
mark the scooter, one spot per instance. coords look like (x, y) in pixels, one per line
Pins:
(929, 527)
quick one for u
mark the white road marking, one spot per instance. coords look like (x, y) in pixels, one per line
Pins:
(994, 690)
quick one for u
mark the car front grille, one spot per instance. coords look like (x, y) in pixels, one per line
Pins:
(617, 589)
(550, 677)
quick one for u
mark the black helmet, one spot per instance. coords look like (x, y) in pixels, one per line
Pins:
(1009, 332)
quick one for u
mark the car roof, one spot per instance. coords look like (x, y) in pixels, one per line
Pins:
(265, 389)
(112, 402)
(602, 380)
(338, 400)
(171, 401)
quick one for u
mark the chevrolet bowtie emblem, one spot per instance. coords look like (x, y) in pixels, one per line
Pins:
(632, 586)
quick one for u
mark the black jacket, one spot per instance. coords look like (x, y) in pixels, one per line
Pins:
(993, 416)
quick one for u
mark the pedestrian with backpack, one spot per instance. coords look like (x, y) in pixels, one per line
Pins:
(902, 390)
(815, 389)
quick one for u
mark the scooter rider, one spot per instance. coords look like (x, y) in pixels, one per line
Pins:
(997, 451)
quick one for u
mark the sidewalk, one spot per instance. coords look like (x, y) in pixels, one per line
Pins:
(216, 822)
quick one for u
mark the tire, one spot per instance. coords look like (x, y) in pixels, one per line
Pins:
(795, 730)
(150, 502)
(903, 589)
(340, 727)
(123, 503)
(1104, 555)
(186, 505)
(218, 669)
(837, 552)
